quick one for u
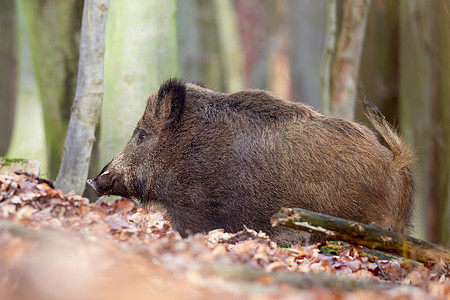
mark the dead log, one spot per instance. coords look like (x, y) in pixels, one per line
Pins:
(371, 236)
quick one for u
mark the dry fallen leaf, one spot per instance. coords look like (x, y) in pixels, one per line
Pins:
(134, 245)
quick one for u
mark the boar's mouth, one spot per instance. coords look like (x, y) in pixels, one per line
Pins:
(106, 185)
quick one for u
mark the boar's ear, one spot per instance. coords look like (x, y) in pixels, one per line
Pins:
(170, 102)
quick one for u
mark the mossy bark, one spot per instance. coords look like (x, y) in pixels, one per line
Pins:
(141, 52)
(8, 68)
(9, 165)
(370, 236)
(230, 46)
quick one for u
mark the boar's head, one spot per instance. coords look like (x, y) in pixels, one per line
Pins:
(131, 172)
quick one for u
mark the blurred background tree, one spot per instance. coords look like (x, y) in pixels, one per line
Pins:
(229, 45)
(53, 31)
(8, 69)
(140, 53)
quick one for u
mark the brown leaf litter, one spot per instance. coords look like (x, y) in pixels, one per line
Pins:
(55, 245)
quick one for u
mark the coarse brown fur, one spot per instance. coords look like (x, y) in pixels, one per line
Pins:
(217, 160)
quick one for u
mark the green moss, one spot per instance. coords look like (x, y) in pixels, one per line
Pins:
(335, 243)
(4, 161)
(326, 249)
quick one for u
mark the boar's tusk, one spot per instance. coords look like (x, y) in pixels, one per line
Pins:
(104, 173)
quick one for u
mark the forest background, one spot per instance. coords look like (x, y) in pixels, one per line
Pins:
(229, 45)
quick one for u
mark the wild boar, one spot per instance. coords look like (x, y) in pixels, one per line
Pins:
(216, 160)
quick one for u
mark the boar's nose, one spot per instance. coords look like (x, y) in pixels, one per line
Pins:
(93, 183)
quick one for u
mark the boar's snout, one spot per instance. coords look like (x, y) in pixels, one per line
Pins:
(108, 183)
(93, 183)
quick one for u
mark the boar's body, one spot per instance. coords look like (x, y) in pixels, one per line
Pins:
(217, 160)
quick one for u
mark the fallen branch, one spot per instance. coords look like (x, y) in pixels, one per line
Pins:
(370, 236)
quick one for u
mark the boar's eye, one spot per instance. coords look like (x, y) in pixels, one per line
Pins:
(141, 136)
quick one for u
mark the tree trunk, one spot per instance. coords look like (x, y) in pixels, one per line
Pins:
(307, 28)
(416, 96)
(442, 131)
(347, 59)
(190, 52)
(141, 52)
(328, 55)
(278, 58)
(230, 47)
(28, 140)
(256, 41)
(88, 99)
(379, 61)
(7, 72)
(54, 51)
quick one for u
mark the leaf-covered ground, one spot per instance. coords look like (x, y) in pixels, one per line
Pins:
(60, 246)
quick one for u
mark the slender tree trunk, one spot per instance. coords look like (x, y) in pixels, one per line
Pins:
(54, 51)
(209, 46)
(328, 54)
(257, 41)
(379, 61)
(28, 140)
(307, 28)
(88, 99)
(190, 52)
(347, 59)
(7, 72)
(141, 52)
(442, 186)
(230, 47)
(198, 44)
(416, 96)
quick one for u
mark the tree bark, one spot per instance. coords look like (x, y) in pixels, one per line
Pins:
(306, 32)
(11, 165)
(416, 96)
(230, 47)
(370, 236)
(379, 66)
(141, 52)
(327, 57)
(198, 44)
(347, 59)
(190, 55)
(442, 130)
(28, 112)
(52, 25)
(8, 72)
(87, 104)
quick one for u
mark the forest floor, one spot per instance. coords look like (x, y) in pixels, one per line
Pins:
(61, 246)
